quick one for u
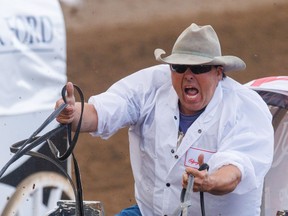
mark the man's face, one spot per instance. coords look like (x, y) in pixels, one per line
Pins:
(195, 91)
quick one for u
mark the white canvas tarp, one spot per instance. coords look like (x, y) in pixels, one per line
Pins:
(33, 72)
(33, 55)
(274, 91)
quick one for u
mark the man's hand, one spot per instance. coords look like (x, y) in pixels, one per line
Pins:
(220, 182)
(68, 114)
(72, 112)
(200, 177)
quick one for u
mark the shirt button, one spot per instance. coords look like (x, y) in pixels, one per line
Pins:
(172, 151)
(175, 117)
(168, 184)
(176, 156)
(199, 131)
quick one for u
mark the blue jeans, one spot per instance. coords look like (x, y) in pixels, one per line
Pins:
(131, 211)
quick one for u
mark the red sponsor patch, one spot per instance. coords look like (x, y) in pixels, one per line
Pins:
(191, 158)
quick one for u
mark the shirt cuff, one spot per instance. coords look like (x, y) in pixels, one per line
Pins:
(248, 177)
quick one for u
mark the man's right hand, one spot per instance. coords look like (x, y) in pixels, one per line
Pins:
(68, 114)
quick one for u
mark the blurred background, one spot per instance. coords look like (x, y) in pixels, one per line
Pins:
(107, 40)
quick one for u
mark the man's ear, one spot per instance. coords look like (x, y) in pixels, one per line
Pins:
(219, 70)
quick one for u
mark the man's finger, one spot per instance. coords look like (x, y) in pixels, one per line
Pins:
(70, 89)
(201, 159)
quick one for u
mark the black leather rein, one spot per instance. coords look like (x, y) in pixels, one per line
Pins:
(24, 147)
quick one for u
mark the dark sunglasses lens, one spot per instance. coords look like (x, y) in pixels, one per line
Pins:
(179, 68)
(199, 69)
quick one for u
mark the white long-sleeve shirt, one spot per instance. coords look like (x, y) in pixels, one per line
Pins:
(235, 128)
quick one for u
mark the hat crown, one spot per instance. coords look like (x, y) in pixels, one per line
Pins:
(198, 40)
(198, 45)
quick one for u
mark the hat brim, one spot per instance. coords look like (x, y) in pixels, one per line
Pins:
(229, 63)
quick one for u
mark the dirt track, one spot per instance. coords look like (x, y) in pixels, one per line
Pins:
(98, 55)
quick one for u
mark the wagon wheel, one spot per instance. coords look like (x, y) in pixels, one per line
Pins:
(29, 194)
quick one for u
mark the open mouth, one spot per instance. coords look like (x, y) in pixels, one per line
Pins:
(191, 92)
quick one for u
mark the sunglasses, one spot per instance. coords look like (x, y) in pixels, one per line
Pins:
(195, 69)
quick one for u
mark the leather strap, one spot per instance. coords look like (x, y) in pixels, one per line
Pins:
(185, 196)
(24, 147)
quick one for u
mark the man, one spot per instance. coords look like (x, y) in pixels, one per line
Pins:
(181, 114)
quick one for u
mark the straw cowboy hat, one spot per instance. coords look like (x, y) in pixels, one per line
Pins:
(199, 45)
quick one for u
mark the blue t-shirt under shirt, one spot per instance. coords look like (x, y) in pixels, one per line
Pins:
(187, 120)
